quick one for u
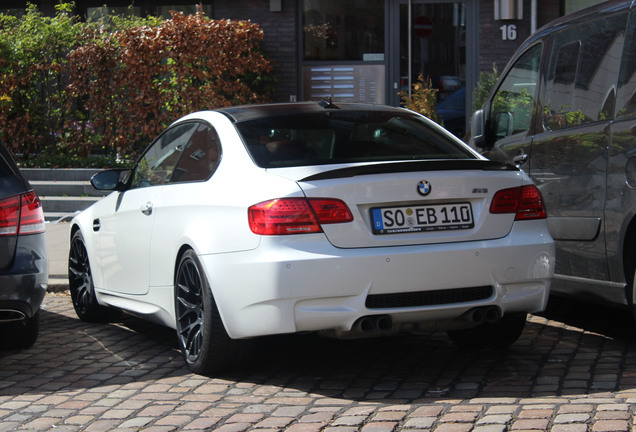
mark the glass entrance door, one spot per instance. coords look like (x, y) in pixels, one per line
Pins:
(432, 39)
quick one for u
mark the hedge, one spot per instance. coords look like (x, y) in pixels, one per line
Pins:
(70, 89)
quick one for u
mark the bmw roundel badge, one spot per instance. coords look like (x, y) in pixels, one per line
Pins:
(424, 187)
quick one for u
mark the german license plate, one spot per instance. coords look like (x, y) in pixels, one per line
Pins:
(436, 217)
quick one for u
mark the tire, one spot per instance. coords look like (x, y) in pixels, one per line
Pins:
(21, 334)
(206, 347)
(81, 285)
(498, 335)
(633, 297)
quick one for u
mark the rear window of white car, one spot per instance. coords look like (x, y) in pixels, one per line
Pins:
(345, 137)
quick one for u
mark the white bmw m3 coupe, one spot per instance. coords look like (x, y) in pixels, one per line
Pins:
(350, 220)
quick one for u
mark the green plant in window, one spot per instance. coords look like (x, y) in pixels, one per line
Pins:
(485, 84)
(563, 118)
(517, 105)
(423, 98)
(142, 173)
(319, 31)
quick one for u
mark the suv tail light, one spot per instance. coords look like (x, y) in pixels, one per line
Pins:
(525, 201)
(21, 214)
(296, 215)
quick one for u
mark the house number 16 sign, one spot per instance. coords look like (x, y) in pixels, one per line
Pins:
(508, 32)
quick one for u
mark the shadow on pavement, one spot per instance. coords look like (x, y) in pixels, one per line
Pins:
(547, 360)
(609, 321)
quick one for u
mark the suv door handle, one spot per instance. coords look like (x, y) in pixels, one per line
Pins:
(147, 208)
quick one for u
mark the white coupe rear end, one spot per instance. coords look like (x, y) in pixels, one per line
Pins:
(349, 220)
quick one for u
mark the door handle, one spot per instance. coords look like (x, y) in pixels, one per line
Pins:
(147, 208)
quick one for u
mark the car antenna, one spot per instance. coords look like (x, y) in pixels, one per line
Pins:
(326, 104)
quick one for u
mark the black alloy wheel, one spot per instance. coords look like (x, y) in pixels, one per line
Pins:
(81, 284)
(203, 340)
(190, 309)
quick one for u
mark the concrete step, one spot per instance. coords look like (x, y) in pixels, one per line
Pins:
(64, 203)
(59, 174)
(56, 217)
(60, 207)
(66, 188)
(63, 192)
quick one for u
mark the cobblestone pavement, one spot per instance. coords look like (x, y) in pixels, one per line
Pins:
(563, 375)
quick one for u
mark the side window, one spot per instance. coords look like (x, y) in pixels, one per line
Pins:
(200, 157)
(582, 74)
(158, 162)
(511, 109)
(186, 152)
(626, 100)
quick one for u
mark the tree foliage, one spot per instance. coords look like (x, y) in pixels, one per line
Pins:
(33, 71)
(487, 81)
(82, 88)
(423, 98)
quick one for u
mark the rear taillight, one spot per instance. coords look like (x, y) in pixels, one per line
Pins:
(525, 201)
(296, 215)
(21, 214)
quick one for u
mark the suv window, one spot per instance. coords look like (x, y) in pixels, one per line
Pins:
(626, 99)
(582, 73)
(512, 105)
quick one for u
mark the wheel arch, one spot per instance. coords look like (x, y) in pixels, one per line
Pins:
(74, 228)
(182, 250)
(184, 247)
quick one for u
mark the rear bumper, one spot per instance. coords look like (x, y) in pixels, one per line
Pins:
(302, 283)
(23, 285)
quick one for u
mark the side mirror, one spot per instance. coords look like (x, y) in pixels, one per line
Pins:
(478, 128)
(108, 180)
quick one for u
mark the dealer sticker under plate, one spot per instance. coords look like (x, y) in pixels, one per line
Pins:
(393, 220)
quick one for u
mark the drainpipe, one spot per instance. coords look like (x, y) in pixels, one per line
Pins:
(533, 16)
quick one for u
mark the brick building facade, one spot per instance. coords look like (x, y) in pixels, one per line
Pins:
(384, 58)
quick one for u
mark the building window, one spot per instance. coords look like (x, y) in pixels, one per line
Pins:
(17, 12)
(103, 12)
(336, 30)
(164, 11)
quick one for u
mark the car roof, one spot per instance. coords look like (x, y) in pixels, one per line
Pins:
(251, 112)
(595, 11)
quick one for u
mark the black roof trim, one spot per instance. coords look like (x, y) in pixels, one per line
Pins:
(251, 112)
(412, 166)
(609, 7)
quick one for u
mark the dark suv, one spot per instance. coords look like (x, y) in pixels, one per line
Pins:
(24, 267)
(565, 107)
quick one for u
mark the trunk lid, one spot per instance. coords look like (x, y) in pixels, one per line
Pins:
(412, 203)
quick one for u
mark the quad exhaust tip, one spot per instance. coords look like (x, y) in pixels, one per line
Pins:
(377, 325)
(484, 314)
(374, 324)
